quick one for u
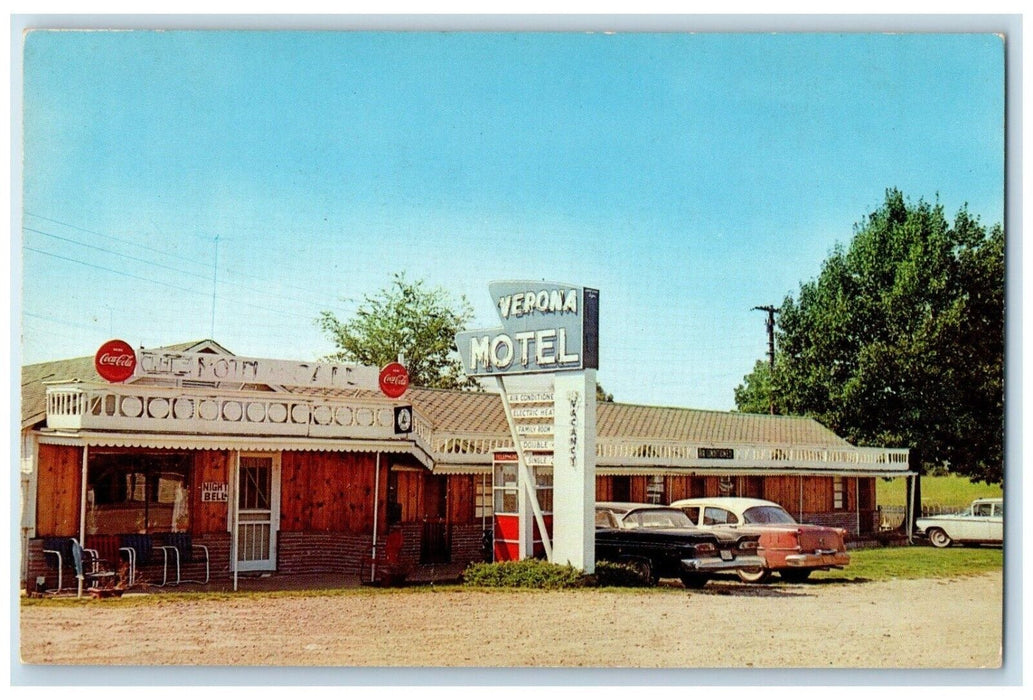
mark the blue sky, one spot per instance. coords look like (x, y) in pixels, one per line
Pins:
(688, 177)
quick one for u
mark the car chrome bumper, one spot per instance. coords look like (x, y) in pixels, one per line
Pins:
(818, 560)
(705, 564)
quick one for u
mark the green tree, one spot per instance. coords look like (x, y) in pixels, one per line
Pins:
(754, 395)
(900, 340)
(601, 395)
(408, 319)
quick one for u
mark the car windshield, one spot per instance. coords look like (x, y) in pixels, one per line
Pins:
(656, 518)
(767, 515)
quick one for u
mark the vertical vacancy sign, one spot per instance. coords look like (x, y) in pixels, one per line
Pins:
(548, 329)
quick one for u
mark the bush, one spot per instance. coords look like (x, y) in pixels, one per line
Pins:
(607, 573)
(527, 573)
(534, 573)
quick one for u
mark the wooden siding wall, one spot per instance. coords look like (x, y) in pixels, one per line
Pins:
(421, 495)
(410, 495)
(210, 466)
(818, 495)
(866, 496)
(677, 488)
(329, 492)
(604, 490)
(461, 492)
(59, 491)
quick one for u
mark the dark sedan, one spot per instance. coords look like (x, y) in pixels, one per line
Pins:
(661, 542)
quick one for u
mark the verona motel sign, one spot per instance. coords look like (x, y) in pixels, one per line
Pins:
(545, 328)
(549, 330)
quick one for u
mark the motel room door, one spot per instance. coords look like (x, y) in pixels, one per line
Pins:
(258, 511)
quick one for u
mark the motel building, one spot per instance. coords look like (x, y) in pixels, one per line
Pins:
(200, 465)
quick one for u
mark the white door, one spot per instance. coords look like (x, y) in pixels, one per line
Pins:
(258, 511)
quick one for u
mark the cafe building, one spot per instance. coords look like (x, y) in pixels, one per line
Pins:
(201, 465)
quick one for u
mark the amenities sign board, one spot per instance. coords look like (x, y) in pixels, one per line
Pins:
(546, 327)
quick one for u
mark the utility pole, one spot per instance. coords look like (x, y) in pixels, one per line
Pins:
(770, 323)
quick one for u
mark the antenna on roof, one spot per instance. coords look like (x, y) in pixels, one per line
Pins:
(215, 279)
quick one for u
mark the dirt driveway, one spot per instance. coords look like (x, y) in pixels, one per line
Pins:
(940, 623)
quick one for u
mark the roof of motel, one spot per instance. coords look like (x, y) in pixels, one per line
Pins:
(482, 412)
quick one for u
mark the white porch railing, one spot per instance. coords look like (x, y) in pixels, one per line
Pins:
(685, 454)
(468, 448)
(204, 411)
(180, 410)
(476, 448)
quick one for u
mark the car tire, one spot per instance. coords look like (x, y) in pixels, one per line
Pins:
(694, 580)
(754, 575)
(795, 575)
(938, 538)
(644, 568)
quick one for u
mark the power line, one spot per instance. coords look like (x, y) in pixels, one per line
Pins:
(154, 281)
(108, 269)
(166, 267)
(193, 261)
(115, 252)
(136, 244)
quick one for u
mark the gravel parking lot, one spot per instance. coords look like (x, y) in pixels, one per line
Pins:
(932, 623)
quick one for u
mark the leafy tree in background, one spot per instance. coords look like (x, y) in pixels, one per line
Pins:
(899, 342)
(410, 319)
(755, 395)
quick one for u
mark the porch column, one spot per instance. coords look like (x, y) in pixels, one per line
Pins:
(857, 499)
(234, 507)
(82, 507)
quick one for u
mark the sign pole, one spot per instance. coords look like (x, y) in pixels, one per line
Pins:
(573, 514)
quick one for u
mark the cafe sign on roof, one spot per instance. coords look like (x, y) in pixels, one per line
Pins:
(208, 367)
(546, 327)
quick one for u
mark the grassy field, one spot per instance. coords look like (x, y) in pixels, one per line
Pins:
(879, 564)
(936, 490)
(917, 562)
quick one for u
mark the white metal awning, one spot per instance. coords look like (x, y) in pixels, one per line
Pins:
(229, 442)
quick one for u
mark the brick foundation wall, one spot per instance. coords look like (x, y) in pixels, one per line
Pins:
(845, 519)
(37, 564)
(467, 543)
(412, 534)
(321, 552)
(297, 553)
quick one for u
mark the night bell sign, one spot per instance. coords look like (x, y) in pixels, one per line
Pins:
(546, 327)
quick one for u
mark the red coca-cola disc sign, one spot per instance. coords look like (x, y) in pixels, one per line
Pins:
(394, 380)
(115, 361)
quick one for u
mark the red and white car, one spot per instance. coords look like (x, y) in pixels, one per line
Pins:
(790, 548)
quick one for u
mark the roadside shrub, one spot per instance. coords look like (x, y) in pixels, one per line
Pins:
(527, 573)
(608, 573)
(534, 573)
